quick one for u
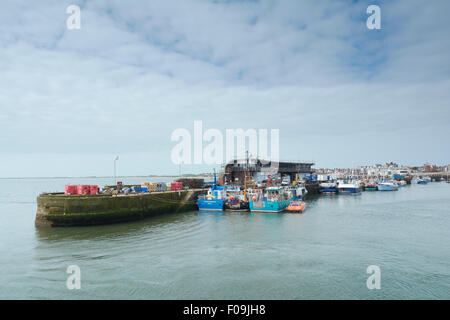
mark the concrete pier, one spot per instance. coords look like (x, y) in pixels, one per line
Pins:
(60, 210)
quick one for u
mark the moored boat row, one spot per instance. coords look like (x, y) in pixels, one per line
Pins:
(272, 199)
(355, 186)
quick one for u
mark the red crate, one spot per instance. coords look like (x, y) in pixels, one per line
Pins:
(176, 186)
(93, 189)
(70, 189)
(83, 189)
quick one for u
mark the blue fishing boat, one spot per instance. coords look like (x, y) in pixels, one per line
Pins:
(387, 186)
(215, 199)
(271, 200)
(418, 180)
(327, 187)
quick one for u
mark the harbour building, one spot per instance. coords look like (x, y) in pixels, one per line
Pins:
(236, 171)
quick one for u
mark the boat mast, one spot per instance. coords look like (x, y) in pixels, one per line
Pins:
(245, 176)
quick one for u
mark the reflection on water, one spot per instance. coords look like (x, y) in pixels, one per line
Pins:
(322, 253)
(111, 231)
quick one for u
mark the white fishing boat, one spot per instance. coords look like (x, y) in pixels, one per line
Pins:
(349, 187)
(387, 186)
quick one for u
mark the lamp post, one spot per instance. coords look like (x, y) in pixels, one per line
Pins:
(115, 160)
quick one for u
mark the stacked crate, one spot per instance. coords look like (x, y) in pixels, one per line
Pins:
(174, 186)
(149, 186)
(83, 189)
(93, 189)
(160, 186)
(153, 186)
(70, 189)
(145, 186)
(192, 183)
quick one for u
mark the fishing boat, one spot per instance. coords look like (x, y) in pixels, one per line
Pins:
(351, 187)
(298, 189)
(298, 192)
(370, 186)
(327, 187)
(236, 200)
(271, 200)
(296, 207)
(422, 181)
(387, 186)
(401, 183)
(215, 199)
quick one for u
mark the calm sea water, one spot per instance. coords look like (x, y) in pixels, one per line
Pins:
(321, 254)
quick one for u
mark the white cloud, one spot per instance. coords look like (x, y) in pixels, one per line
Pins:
(136, 71)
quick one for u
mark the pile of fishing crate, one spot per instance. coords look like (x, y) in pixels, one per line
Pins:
(160, 186)
(81, 189)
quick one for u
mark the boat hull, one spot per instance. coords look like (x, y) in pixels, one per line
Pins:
(241, 206)
(269, 206)
(349, 190)
(382, 187)
(210, 204)
(327, 189)
(296, 207)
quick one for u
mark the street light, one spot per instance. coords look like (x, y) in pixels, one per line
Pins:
(115, 160)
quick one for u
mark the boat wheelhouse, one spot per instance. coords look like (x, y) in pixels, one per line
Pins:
(215, 199)
(271, 200)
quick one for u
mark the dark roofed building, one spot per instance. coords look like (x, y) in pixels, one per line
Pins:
(235, 170)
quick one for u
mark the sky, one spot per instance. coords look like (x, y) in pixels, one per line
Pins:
(340, 94)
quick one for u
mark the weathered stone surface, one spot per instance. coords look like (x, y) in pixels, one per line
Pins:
(59, 210)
